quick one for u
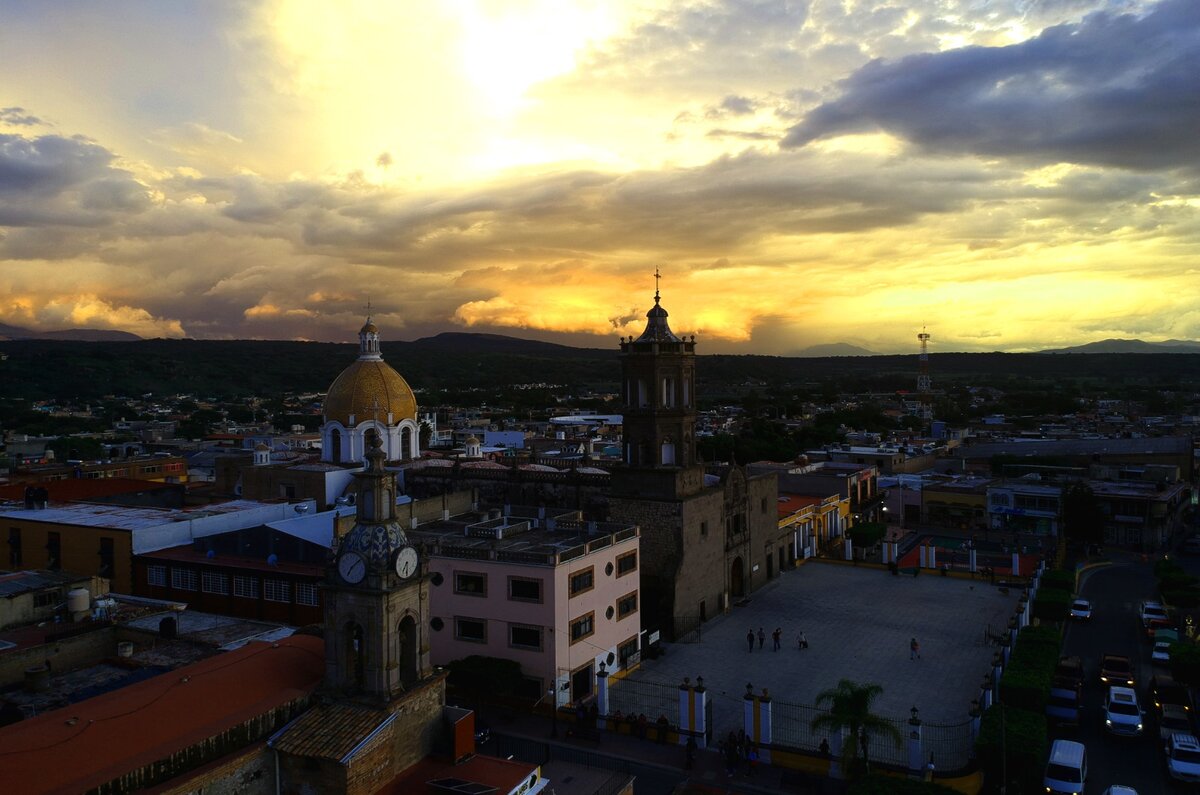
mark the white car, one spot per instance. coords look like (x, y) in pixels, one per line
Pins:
(1081, 609)
(1122, 713)
(1153, 610)
(1162, 652)
(1183, 757)
(1120, 789)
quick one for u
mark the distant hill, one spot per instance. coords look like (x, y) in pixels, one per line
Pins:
(1131, 346)
(496, 343)
(833, 349)
(81, 334)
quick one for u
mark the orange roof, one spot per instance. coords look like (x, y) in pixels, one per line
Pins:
(112, 734)
(76, 489)
(790, 503)
(503, 774)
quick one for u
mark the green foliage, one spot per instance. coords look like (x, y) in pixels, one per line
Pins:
(1165, 567)
(67, 448)
(1025, 683)
(1175, 586)
(1051, 604)
(1063, 580)
(850, 712)
(895, 785)
(1021, 753)
(1185, 663)
(867, 533)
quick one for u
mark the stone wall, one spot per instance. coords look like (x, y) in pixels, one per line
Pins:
(64, 654)
(250, 771)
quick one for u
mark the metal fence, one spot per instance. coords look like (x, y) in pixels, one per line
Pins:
(951, 744)
(631, 697)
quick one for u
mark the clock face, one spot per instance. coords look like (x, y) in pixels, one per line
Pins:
(406, 562)
(352, 567)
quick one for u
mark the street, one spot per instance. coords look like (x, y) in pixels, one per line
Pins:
(1115, 628)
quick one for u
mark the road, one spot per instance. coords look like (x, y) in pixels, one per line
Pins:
(1115, 593)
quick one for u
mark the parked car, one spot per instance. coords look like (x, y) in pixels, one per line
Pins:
(1081, 609)
(1062, 706)
(1122, 713)
(1119, 789)
(1156, 625)
(1183, 757)
(1066, 770)
(1115, 669)
(1164, 690)
(1162, 652)
(1173, 719)
(1068, 672)
(1151, 611)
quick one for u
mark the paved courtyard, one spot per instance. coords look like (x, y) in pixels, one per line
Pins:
(858, 622)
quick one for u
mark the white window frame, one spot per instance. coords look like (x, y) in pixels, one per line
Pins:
(245, 587)
(306, 594)
(156, 575)
(214, 582)
(274, 589)
(183, 579)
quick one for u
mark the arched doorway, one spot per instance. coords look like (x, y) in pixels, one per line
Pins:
(737, 583)
(407, 448)
(335, 446)
(407, 635)
(355, 655)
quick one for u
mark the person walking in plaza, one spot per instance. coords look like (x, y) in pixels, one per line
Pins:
(775, 639)
(801, 642)
(762, 638)
(750, 640)
(914, 650)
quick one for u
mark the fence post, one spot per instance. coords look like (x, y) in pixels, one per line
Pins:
(602, 696)
(1016, 564)
(763, 734)
(971, 565)
(701, 706)
(915, 755)
(848, 546)
(688, 716)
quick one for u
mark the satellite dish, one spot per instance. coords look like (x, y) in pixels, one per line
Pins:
(272, 559)
(301, 508)
(210, 554)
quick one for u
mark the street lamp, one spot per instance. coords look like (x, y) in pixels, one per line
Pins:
(553, 695)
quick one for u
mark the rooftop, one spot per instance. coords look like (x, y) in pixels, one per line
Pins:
(125, 730)
(119, 517)
(550, 540)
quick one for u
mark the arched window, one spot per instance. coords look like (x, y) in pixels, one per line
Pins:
(335, 445)
(407, 653)
(355, 655)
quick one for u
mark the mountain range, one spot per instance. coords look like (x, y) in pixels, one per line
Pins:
(8, 332)
(1132, 346)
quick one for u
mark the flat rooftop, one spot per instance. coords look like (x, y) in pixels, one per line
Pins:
(468, 536)
(118, 517)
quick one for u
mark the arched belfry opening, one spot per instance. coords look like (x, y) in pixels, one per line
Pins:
(408, 652)
(355, 654)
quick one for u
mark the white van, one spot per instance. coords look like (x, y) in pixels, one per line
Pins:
(1066, 772)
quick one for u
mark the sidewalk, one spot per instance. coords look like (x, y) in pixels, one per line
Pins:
(706, 776)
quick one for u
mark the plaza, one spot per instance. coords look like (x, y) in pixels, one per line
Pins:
(858, 622)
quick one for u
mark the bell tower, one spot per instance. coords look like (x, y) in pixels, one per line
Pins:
(376, 597)
(658, 387)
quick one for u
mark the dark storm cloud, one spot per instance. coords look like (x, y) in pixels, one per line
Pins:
(48, 164)
(1116, 90)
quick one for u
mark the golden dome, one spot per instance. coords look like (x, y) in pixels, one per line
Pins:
(368, 389)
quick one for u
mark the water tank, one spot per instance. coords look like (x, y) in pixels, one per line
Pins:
(37, 679)
(168, 627)
(79, 601)
(125, 649)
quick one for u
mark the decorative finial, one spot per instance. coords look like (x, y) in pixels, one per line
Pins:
(368, 308)
(657, 276)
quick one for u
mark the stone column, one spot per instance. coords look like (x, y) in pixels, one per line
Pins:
(916, 755)
(1016, 564)
(971, 565)
(932, 556)
(848, 547)
(602, 696)
(688, 713)
(921, 560)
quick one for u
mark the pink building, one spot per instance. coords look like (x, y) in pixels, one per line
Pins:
(556, 593)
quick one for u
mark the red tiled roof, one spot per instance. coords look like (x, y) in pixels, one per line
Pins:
(791, 503)
(76, 489)
(503, 774)
(85, 745)
(188, 554)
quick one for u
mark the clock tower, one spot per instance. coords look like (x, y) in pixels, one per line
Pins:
(376, 596)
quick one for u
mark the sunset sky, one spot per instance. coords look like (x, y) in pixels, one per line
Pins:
(1011, 174)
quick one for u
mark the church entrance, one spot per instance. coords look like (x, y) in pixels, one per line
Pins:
(737, 585)
(407, 635)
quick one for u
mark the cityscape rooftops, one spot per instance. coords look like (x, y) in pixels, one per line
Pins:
(548, 541)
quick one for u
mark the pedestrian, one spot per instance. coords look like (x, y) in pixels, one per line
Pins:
(664, 726)
(762, 638)
(824, 747)
(731, 757)
(690, 752)
(775, 638)
(641, 726)
(802, 642)
(914, 650)
(751, 761)
(750, 640)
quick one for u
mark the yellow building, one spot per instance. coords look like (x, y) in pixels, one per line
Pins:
(814, 522)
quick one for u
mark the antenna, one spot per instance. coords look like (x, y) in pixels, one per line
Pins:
(657, 276)
(924, 383)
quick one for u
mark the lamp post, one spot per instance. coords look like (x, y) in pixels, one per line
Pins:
(552, 693)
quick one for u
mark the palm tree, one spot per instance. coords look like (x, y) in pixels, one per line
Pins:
(850, 712)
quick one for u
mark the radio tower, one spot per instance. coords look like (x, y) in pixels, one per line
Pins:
(924, 383)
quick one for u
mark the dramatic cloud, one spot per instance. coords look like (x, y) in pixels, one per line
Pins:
(1013, 174)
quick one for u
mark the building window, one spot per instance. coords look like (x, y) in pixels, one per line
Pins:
(470, 583)
(183, 579)
(277, 590)
(245, 587)
(704, 528)
(306, 594)
(582, 581)
(627, 605)
(472, 629)
(14, 547)
(156, 575)
(627, 563)
(45, 599)
(521, 589)
(212, 582)
(627, 652)
(53, 551)
(583, 627)
(524, 636)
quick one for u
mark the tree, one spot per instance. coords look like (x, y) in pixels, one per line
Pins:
(1083, 522)
(850, 714)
